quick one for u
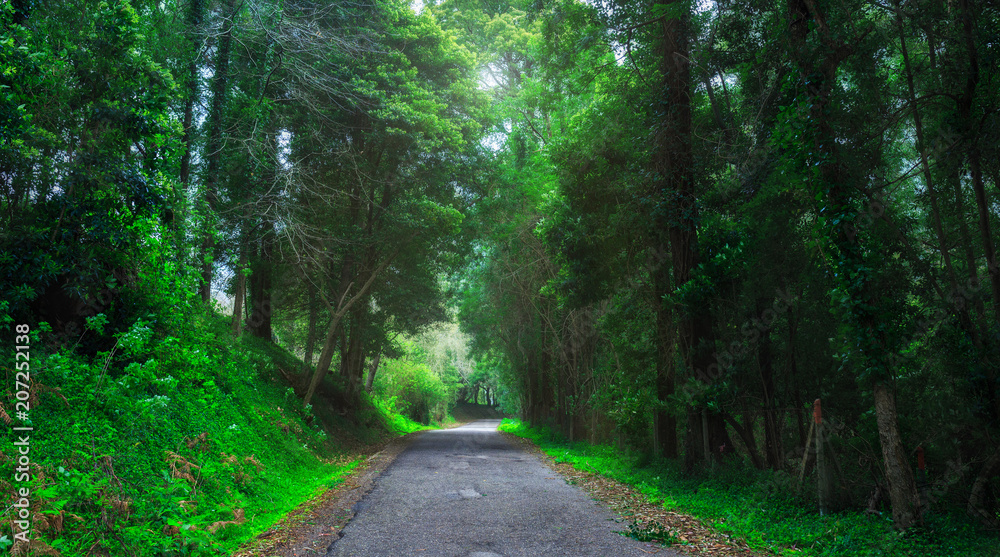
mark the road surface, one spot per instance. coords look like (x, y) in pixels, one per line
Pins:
(468, 492)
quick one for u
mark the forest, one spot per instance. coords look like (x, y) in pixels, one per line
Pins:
(739, 243)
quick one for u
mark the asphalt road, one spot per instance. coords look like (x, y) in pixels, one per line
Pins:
(467, 492)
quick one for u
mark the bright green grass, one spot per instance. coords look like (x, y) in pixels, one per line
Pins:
(181, 431)
(397, 423)
(758, 507)
(269, 511)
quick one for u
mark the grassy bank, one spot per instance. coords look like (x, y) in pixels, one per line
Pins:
(173, 439)
(761, 508)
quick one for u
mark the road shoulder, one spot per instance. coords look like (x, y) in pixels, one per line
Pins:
(691, 534)
(311, 527)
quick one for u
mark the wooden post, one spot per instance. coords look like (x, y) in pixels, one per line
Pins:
(820, 464)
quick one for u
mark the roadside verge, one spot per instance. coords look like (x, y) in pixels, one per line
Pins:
(644, 519)
(314, 525)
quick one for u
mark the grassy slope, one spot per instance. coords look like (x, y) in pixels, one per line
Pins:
(181, 442)
(759, 507)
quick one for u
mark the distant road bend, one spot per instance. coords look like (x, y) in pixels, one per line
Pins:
(468, 492)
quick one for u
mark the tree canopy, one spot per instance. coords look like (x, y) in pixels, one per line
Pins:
(667, 225)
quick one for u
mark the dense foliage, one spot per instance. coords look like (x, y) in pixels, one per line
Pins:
(292, 165)
(705, 216)
(667, 225)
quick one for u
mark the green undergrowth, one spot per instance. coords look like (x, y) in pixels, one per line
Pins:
(400, 424)
(761, 508)
(173, 440)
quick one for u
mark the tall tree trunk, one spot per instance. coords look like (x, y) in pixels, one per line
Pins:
(207, 262)
(965, 114)
(352, 362)
(674, 166)
(260, 289)
(793, 378)
(530, 402)
(984, 226)
(195, 15)
(970, 255)
(546, 393)
(213, 148)
(963, 310)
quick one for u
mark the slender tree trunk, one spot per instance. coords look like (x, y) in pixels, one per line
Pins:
(352, 362)
(546, 393)
(942, 238)
(984, 227)
(793, 378)
(746, 434)
(372, 369)
(207, 262)
(261, 270)
(194, 20)
(970, 255)
(337, 314)
(774, 454)
(188, 124)
(674, 166)
(185, 170)
(325, 357)
(311, 331)
(965, 113)
(529, 390)
(241, 288)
